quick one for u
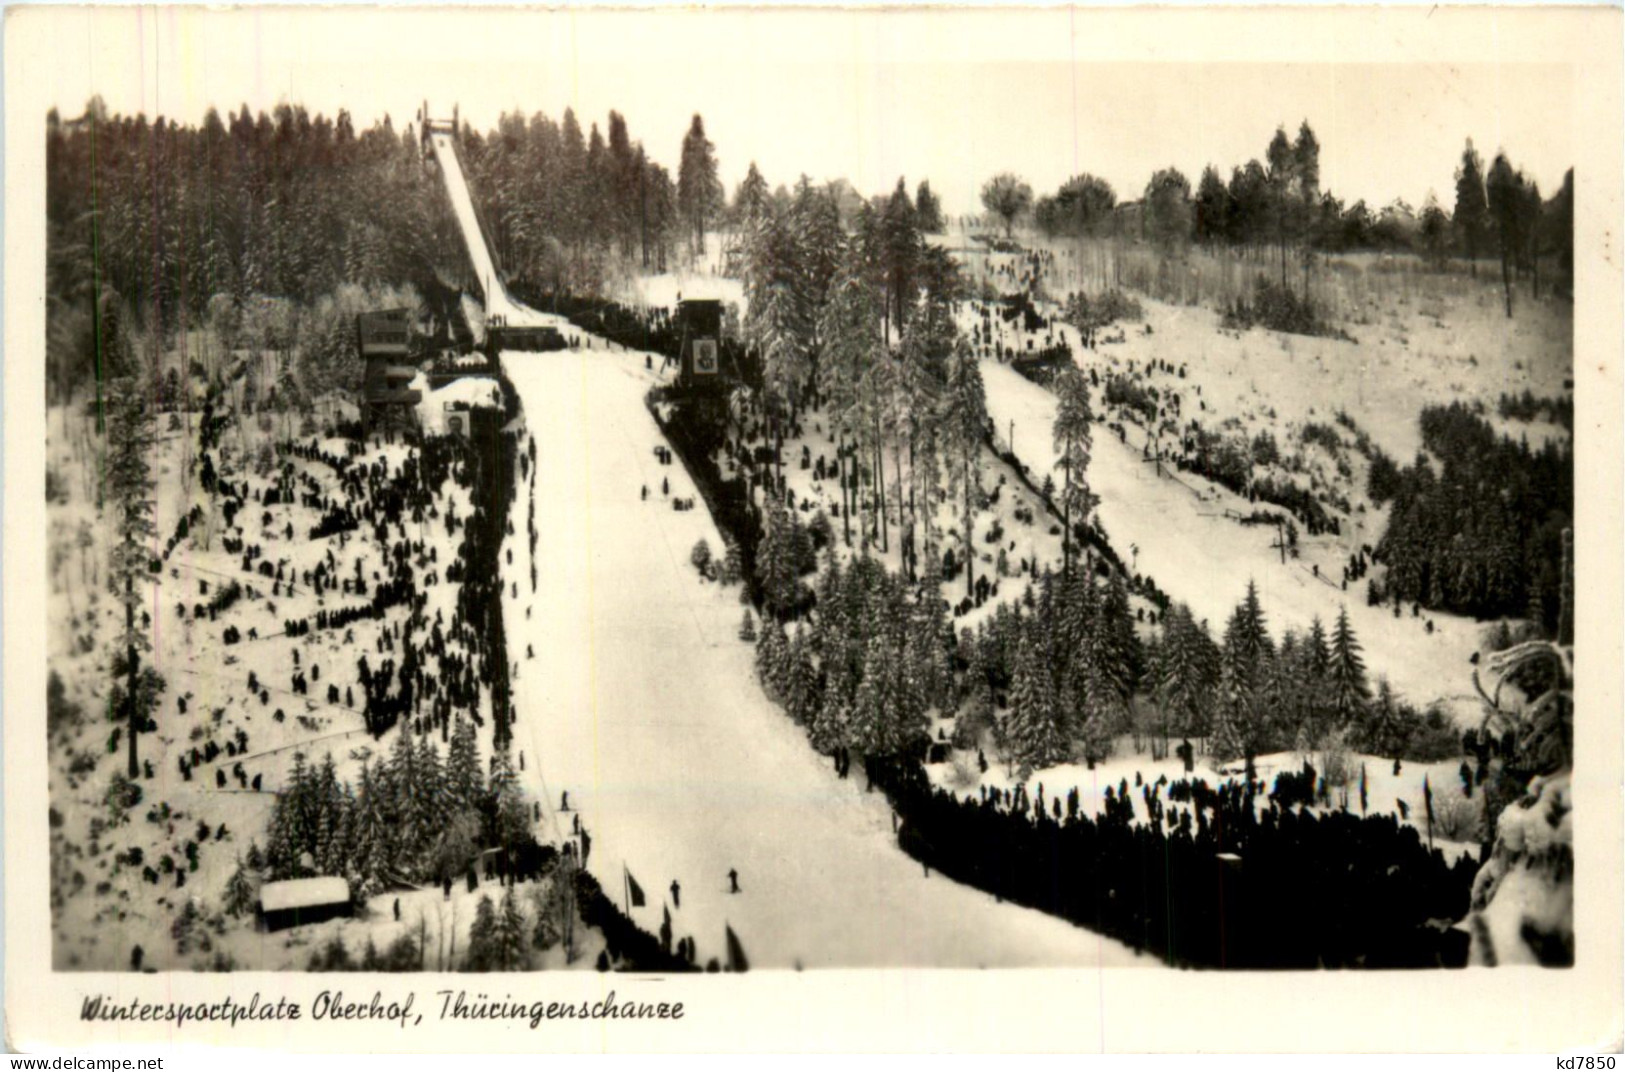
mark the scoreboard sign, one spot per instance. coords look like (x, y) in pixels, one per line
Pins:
(705, 357)
(384, 333)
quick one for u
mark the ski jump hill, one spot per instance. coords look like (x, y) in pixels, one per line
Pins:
(635, 699)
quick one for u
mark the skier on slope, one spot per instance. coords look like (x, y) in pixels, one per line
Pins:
(676, 894)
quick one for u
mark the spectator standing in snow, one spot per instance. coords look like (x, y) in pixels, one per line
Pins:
(676, 894)
(733, 880)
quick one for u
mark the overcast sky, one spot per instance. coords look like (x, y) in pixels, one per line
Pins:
(952, 97)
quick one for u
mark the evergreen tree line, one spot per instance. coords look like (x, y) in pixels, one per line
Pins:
(1058, 676)
(1054, 679)
(413, 816)
(286, 205)
(1061, 676)
(1482, 534)
(1277, 206)
(865, 672)
(259, 222)
(559, 202)
(856, 316)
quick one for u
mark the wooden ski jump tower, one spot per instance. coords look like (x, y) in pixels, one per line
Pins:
(452, 126)
(383, 339)
(427, 129)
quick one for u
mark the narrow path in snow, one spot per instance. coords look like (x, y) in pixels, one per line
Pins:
(641, 704)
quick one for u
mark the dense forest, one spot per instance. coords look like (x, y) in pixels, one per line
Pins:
(250, 224)
(1482, 535)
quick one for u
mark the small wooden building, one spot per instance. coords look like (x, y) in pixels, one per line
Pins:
(700, 359)
(295, 902)
(531, 339)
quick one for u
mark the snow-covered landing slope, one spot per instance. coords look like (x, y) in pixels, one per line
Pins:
(643, 705)
(1200, 557)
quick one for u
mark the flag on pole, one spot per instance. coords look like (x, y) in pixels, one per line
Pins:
(634, 891)
(736, 952)
(1427, 801)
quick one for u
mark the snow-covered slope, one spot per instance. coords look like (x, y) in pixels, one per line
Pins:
(1176, 531)
(641, 703)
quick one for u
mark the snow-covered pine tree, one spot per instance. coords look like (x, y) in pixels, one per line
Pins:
(772, 655)
(927, 651)
(829, 623)
(701, 557)
(512, 813)
(1072, 447)
(976, 708)
(733, 566)
(909, 721)
(1231, 737)
(869, 705)
(1346, 671)
(1245, 664)
(299, 800)
(328, 814)
(801, 699)
(1174, 675)
(1117, 652)
(369, 849)
(699, 193)
(848, 331)
(776, 559)
(241, 895)
(464, 781)
(129, 484)
(961, 428)
(778, 318)
(482, 954)
(1032, 728)
(401, 784)
(830, 728)
(432, 804)
(509, 948)
(1385, 722)
(803, 557)
(747, 628)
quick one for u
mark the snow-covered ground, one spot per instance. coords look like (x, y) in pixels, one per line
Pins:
(468, 393)
(207, 698)
(1387, 793)
(643, 706)
(665, 290)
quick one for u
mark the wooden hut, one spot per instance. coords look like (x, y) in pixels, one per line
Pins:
(298, 901)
